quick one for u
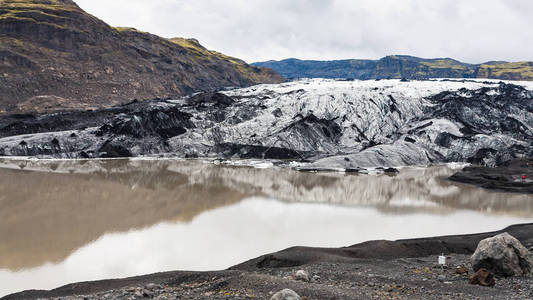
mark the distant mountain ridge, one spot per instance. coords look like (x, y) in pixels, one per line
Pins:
(399, 66)
(55, 56)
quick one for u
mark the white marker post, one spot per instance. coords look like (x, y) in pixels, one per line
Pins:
(442, 261)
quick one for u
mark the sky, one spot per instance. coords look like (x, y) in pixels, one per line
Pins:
(472, 31)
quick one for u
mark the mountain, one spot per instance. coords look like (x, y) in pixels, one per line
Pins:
(54, 55)
(322, 123)
(399, 66)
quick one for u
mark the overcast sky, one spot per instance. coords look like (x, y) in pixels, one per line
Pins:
(256, 30)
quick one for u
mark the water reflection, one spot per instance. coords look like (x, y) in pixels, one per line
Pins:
(64, 221)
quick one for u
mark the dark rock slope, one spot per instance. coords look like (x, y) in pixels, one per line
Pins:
(55, 56)
(513, 176)
(324, 124)
(399, 66)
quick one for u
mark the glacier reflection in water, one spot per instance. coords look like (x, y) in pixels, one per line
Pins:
(67, 221)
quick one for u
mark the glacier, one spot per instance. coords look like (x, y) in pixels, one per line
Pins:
(321, 123)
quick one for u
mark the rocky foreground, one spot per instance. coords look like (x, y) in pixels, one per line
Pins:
(323, 124)
(405, 269)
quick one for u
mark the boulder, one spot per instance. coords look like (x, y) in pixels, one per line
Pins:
(286, 294)
(483, 277)
(503, 255)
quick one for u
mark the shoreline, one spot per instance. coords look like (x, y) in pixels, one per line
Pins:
(399, 269)
(505, 177)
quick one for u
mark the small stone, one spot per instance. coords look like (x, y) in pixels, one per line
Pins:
(147, 293)
(483, 277)
(441, 278)
(302, 275)
(461, 270)
(286, 294)
(315, 278)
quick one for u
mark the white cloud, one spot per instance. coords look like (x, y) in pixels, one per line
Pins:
(254, 30)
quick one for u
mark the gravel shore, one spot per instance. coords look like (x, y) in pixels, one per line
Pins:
(405, 269)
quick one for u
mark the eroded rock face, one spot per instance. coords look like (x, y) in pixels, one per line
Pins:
(327, 124)
(503, 255)
(54, 56)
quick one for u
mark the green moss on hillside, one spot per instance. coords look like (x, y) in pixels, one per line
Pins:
(200, 52)
(127, 29)
(195, 47)
(54, 9)
(191, 44)
(445, 64)
(56, 5)
(514, 71)
(54, 13)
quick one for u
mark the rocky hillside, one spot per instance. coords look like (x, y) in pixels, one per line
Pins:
(53, 55)
(325, 123)
(399, 66)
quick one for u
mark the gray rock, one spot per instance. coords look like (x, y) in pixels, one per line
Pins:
(151, 286)
(147, 293)
(302, 276)
(286, 294)
(503, 255)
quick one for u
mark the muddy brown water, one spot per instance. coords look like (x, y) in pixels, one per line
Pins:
(70, 221)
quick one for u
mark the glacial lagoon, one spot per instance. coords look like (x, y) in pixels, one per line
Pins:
(79, 220)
